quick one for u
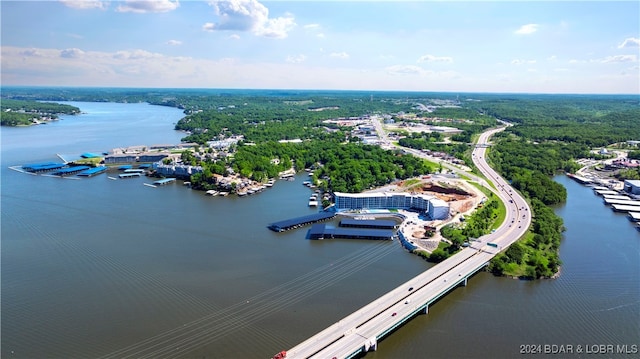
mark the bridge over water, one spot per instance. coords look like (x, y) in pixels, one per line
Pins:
(363, 329)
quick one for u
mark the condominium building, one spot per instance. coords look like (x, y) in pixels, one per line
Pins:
(434, 207)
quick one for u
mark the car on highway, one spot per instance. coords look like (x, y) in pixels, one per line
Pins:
(410, 289)
(394, 314)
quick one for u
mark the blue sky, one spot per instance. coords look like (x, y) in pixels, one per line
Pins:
(500, 46)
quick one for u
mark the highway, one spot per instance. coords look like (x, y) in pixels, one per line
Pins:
(361, 330)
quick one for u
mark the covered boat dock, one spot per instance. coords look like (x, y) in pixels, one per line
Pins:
(164, 181)
(625, 208)
(634, 216)
(300, 221)
(43, 166)
(92, 171)
(70, 170)
(321, 231)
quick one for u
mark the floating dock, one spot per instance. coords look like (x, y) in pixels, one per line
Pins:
(300, 221)
(164, 181)
(625, 208)
(93, 171)
(614, 196)
(634, 216)
(321, 231)
(602, 192)
(579, 179)
(125, 167)
(129, 175)
(625, 202)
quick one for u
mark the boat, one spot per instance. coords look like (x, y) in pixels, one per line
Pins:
(212, 192)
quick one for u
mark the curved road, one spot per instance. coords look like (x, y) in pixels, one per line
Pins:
(363, 328)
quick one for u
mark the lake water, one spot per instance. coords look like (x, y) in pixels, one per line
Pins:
(112, 268)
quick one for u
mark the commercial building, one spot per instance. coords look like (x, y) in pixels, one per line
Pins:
(434, 207)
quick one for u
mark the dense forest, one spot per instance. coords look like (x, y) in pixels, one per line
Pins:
(340, 167)
(550, 132)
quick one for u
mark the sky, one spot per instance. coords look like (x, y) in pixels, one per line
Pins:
(453, 46)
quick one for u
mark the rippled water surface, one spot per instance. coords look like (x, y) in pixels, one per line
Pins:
(111, 268)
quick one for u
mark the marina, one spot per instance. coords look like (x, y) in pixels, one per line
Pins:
(620, 201)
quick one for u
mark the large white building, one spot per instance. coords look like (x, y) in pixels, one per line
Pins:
(632, 186)
(432, 206)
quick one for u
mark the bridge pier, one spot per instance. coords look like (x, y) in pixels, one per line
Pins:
(425, 310)
(371, 345)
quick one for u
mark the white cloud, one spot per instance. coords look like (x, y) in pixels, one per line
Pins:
(340, 55)
(140, 68)
(629, 42)
(406, 70)
(71, 53)
(277, 28)
(174, 42)
(527, 29)
(312, 26)
(296, 59)
(618, 58)
(209, 26)
(85, 4)
(432, 58)
(552, 58)
(234, 37)
(522, 62)
(249, 15)
(30, 52)
(145, 6)
(135, 55)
